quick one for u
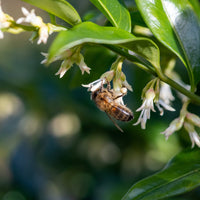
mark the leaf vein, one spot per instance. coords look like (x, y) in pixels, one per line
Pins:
(164, 184)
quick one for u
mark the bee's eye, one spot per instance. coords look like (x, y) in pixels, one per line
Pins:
(94, 95)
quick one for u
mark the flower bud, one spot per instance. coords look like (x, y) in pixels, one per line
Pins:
(194, 119)
(108, 75)
(175, 125)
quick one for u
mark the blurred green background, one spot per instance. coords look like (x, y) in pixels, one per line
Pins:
(54, 143)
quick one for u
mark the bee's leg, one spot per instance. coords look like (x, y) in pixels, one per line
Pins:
(123, 91)
(114, 122)
(117, 97)
(108, 86)
(101, 88)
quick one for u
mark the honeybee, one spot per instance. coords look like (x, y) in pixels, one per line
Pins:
(106, 101)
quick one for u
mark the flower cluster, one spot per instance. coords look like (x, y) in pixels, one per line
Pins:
(191, 121)
(118, 78)
(68, 57)
(44, 30)
(154, 93)
(188, 121)
(8, 24)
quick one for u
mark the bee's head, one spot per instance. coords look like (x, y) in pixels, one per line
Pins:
(94, 94)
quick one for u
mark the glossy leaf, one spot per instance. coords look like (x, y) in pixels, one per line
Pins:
(59, 8)
(116, 12)
(174, 23)
(89, 32)
(180, 175)
(196, 6)
(137, 19)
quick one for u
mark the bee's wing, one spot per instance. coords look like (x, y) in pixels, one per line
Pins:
(114, 122)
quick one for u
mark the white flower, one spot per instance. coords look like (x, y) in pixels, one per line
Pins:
(164, 105)
(166, 94)
(30, 17)
(146, 107)
(119, 79)
(194, 137)
(83, 67)
(5, 21)
(175, 125)
(127, 85)
(74, 57)
(36, 21)
(43, 34)
(95, 85)
(69, 57)
(65, 66)
(45, 60)
(194, 119)
(108, 75)
(165, 98)
(182, 96)
(153, 93)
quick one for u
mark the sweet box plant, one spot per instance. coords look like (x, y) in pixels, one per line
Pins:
(138, 36)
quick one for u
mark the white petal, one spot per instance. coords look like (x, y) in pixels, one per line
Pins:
(143, 124)
(139, 119)
(95, 84)
(20, 20)
(166, 106)
(160, 109)
(175, 125)
(166, 93)
(43, 35)
(83, 67)
(144, 119)
(147, 114)
(195, 139)
(194, 119)
(90, 84)
(25, 11)
(44, 61)
(127, 85)
(61, 72)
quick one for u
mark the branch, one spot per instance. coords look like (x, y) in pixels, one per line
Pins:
(145, 65)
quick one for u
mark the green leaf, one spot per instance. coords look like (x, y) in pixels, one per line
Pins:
(196, 6)
(174, 24)
(116, 12)
(180, 175)
(89, 32)
(137, 19)
(59, 8)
